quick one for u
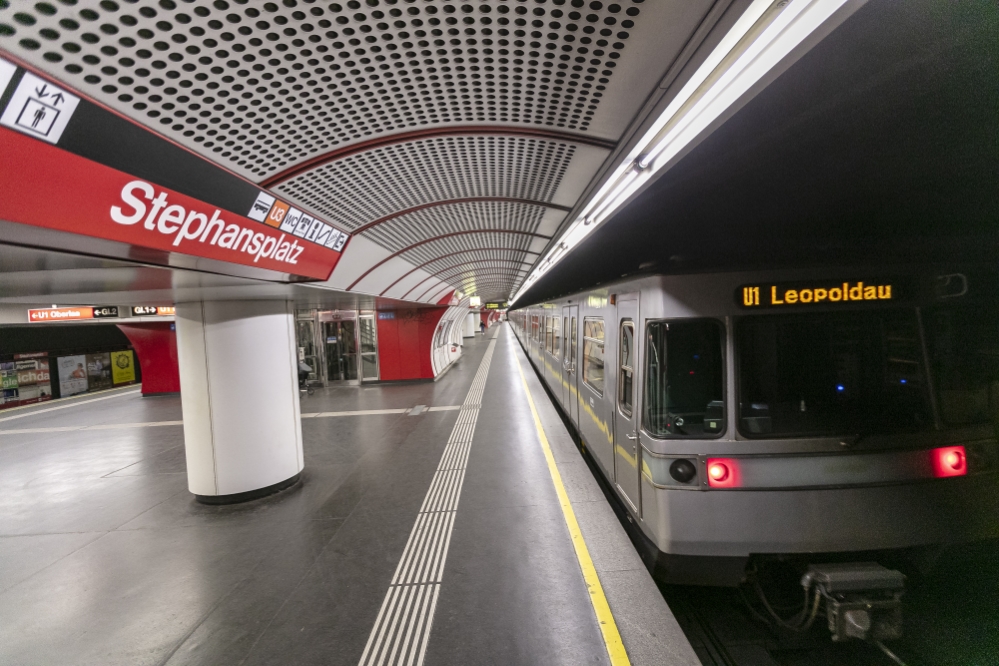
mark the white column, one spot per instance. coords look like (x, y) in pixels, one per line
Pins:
(239, 392)
(470, 325)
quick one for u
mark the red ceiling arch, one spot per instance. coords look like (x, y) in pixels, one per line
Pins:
(406, 137)
(448, 202)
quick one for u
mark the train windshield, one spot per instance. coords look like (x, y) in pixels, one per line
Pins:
(963, 347)
(684, 385)
(858, 373)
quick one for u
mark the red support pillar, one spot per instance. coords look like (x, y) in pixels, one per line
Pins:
(405, 343)
(155, 344)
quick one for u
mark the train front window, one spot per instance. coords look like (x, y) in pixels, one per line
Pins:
(839, 373)
(684, 379)
(964, 355)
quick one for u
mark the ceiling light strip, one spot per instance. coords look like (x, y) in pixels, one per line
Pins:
(763, 36)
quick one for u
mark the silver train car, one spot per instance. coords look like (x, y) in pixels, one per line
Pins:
(802, 413)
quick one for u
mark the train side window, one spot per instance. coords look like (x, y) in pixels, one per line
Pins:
(593, 353)
(684, 379)
(556, 337)
(548, 334)
(565, 338)
(572, 346)
(626, 368)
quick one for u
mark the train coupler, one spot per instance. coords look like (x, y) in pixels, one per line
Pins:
(863, 600)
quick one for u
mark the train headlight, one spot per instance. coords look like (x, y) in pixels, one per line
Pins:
(723, 472)
(950, 461)
(682, 470)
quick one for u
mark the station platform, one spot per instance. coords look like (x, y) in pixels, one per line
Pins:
(452, 522)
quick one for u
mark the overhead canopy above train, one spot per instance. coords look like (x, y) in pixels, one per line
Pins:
(458, 143)
(450, 139)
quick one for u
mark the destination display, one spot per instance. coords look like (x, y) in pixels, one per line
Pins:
(815, 293)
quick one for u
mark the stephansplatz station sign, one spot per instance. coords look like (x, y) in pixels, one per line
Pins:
(74, 172)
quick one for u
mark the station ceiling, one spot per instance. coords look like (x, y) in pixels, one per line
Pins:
(450, 137)
(454, 137)
(880, 145)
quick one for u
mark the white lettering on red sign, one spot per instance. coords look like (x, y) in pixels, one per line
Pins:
(143, 204)
(60, 314)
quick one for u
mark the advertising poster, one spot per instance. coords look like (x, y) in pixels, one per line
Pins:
(72, 375)
(122, 367)
(8, 379)
(33, 380)
(99, 371)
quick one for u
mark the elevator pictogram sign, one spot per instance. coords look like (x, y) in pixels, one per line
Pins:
(39, 109)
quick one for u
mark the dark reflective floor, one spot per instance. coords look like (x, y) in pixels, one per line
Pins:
(105, 557)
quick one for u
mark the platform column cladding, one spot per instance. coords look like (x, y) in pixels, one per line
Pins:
(239, 392)
(470, 325)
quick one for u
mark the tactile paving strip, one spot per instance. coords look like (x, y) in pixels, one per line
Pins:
(402, 629)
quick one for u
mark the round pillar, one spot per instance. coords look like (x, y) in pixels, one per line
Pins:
(239, 391)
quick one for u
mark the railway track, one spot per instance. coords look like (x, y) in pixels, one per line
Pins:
(951, 618)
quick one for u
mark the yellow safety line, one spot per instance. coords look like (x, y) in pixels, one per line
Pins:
(605, 618)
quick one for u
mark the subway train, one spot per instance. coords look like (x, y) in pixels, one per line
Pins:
(843, 415)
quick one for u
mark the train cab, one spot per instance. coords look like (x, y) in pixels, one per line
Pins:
(749, 415)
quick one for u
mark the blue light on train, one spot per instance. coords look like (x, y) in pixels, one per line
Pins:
(840, 387)
(901, 381)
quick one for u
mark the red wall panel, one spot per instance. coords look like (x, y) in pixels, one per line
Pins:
(155, 344)
(405, 342)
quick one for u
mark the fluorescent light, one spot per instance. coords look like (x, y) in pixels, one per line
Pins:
(763, 36)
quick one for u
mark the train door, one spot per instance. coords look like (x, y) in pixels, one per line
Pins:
(627, 452)
(569, 391)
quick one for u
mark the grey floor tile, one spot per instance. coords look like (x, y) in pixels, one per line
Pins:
(111, 560)
(579, 482)
(606, 540)
(23, 556)
(650, 633)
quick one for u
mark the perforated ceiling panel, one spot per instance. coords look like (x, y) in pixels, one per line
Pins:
(258, 86)
(311, 95)
(371, 185)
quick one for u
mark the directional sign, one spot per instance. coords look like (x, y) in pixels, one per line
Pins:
(48, 315)
(39, 109)
(105, 311)
(153, 311)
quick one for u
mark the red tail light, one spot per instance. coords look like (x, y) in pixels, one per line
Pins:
(949, 461)
(723, 472)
